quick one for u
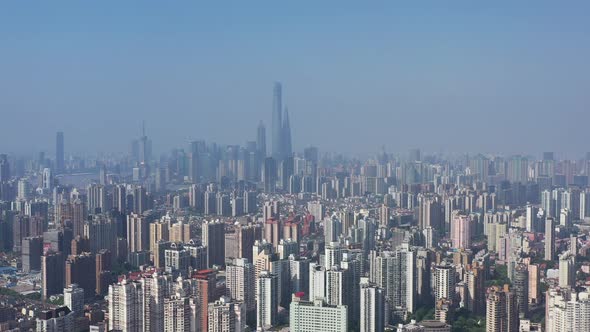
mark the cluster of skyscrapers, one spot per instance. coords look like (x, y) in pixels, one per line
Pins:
(229, 238)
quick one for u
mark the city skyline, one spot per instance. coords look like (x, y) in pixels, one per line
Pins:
(435, 77)
(301, 166)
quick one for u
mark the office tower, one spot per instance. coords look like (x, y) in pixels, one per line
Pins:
(226, 315)
(206, 293)
(549, 238)
(214, 241)
(4, 168)
(240, 283)
(103, 271)
(501, 310)
(444, 281)
(372, 308)
(287, 146)
(178, 314)
(267, 301)
(567, 310)
(120, 198)
(269, 174)
(52, 274)
(59, 153)
(316, 316)
(567, 270)
(277, 122)
(521, 288)
(81, 270)
(126, 306)
(261, 141)
(137, 233)
(461, 231)
(32, 249)
(74, 299)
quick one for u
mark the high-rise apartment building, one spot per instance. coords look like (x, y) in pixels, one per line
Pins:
(214, 240)
(137, 233)
(549, 238)
(372, 308)
(267, 302)
(226, 315)
(240, 283)
(501, 310)
(126, 307)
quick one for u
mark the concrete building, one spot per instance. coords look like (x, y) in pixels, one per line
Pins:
(317, 316)
(226, 315)
(267, 301)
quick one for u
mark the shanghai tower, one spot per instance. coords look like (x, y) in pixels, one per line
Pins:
(277, 122)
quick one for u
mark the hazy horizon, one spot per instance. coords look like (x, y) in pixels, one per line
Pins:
(504, 78)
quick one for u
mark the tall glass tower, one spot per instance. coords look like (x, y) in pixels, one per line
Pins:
(277, 122)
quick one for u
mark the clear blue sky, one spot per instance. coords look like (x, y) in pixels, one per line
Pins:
(504, 76)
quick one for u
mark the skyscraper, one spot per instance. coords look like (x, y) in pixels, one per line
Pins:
(266, 300)
(59, 153)
(240, 283)
(261, 141)
(372, 311)
(52, 273)
(287, 148)
(461, 231)
(4, 168)
(549, 238)
(126, 306)
(501, 310)
(214, 240)
(277, 121)
(226, 315)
